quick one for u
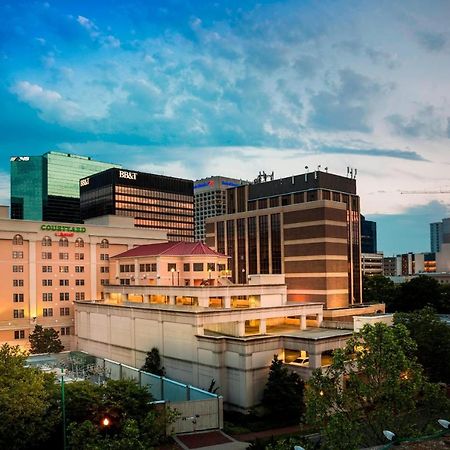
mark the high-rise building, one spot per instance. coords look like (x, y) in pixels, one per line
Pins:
(439, 234)
(210, 200)
(46, 266)
(154, 201)
(305, 226)
(368, 236)
(46, 187)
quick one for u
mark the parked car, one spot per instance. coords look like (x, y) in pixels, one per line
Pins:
(301, 361)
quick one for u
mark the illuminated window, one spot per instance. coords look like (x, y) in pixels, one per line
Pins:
(79, 242)
(17, 240)
(104, 243)
(63, 242)
(17, 255)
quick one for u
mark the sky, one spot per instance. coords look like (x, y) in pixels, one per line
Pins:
(200, 88)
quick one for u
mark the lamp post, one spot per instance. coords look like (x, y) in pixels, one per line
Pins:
(63, 405)
(172, 270)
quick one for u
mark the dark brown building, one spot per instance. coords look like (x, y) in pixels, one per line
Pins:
(305, 226)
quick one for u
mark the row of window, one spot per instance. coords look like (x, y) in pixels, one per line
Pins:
(20, 334)
(62, 269)
(18, 297)
(63, 242)
(171, 267)
(48, 312)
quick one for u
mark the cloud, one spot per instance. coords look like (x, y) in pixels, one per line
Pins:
(4, 188)
(376, 152)
(347, 105)
(431, 40)
(427, 122)
(106, 40)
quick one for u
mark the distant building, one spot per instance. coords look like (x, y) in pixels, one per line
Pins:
(368, 236)
(408, 264)
(210, 200)
(390, 266)
(154, 201)
(46, 187)
(372, 263)
(305, 226)
(439, 234)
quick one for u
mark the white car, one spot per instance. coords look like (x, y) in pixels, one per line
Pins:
(301, 361)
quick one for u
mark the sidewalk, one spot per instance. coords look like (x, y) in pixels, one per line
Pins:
(248, 437)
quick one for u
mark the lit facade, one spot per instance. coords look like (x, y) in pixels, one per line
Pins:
(153, 201)
(210, 200)
(46, 187)
(46, 266)
(306, 227)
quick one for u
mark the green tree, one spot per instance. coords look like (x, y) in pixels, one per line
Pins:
(152, 363)
(283, 394)
(28, 412)
(378, 289)
(443, 306)
(374, 383)
(416, 294)
(45, 340)
(432, 337)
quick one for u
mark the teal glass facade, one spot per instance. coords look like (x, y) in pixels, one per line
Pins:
(46, 187)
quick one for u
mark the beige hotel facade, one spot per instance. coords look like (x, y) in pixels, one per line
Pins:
(45, 267)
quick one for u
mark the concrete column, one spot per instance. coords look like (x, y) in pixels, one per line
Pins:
(315, 360)
(227, 301)
(241, 328)
(262, 326)
(137, 272)
(172, 300)
(146, 298)
(302, 322)
(319, 319)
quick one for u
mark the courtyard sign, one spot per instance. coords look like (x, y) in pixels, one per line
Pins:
(63, 228)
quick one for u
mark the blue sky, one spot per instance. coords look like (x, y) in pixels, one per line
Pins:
(199, 88)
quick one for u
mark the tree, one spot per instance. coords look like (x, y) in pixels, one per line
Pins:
(153, 363)
(378, 289)
(432, 337)
(374, 383)
(45, 340)
(28, 412)
(416, 294)
(283, 394)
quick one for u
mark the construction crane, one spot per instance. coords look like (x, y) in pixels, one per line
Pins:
(441, 191)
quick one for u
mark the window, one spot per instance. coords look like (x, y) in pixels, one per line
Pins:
(18, 313)
(104, 257)
(221, 267)
(17, 283)
(171, 266)
(17, 255)
(79, 269)
(17, 298)
(17, 240)
(104, 269)
(104, 282)
(47, 312)
(186, 267)
(212, 267)
(79, 242)
(64, 296)
(63, 269)
(64, 255)
(46, 242)
(79, 256)
(64, 311)
(47, 297)
(104, 243)
(79, 282)
(47, 269)
(124, 281)
(47, 282)
(198, 267)
(64, 282)
(46, 255)
(65, 331)
(17, 269)
(19, 334)
(79, 296)
(63, 242)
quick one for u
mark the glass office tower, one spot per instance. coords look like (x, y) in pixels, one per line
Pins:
(46, 187)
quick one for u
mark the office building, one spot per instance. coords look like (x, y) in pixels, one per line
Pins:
(439, 234)
(390, 266)
(154, 201)
(46, 266)
(46, 187)
(368, 236)
(372, 263)
(305, 226)
(210, 200)
(408, 264)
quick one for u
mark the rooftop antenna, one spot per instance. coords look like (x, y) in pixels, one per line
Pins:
(306, 174)
(356, 171)
(348, 171)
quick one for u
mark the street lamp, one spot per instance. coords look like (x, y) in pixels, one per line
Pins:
(173, 271)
